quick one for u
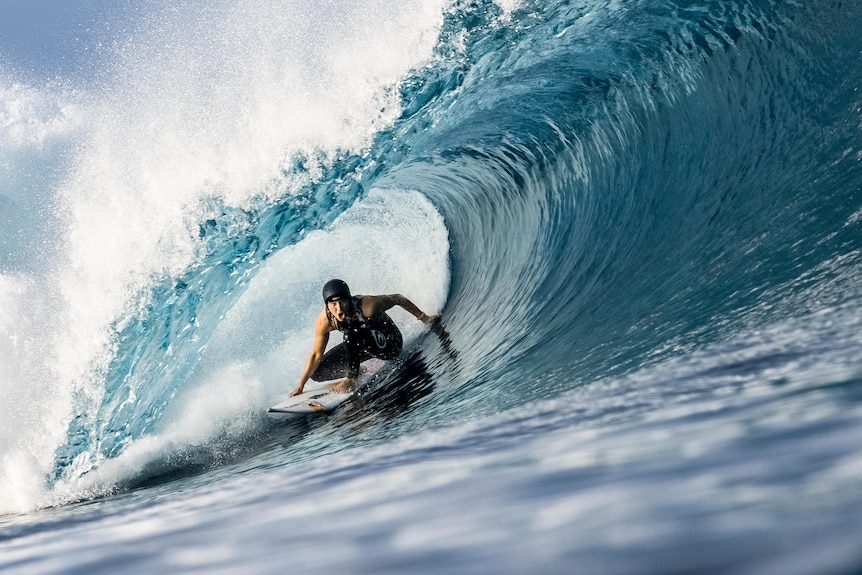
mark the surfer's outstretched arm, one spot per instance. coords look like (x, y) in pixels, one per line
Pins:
(321, 338)
(374, 305)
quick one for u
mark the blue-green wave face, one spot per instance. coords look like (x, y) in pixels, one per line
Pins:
(625, 184)
(586, 190)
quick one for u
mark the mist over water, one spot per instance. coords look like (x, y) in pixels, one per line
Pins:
(640, 222)
(199, 113)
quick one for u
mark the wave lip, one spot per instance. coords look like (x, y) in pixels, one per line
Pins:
(614, 192)
(651, 216)
(192, 159)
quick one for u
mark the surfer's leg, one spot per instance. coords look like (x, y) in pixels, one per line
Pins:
(342, 360)
(356, 351)
(334, 364)
(386, 343)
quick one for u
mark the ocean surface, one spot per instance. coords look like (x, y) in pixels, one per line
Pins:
(641, 222)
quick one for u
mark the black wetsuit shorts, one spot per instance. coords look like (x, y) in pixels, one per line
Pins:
(377, 337)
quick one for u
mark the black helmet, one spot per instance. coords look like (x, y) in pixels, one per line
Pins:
(335, 289)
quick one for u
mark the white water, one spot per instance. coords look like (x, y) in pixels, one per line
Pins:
(261, 345)
(200, 104)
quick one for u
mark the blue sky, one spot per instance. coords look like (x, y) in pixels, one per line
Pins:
(47, 38)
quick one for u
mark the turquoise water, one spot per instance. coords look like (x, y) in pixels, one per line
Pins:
(640, 222)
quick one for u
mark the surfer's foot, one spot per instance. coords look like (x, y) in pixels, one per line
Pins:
(346, 385)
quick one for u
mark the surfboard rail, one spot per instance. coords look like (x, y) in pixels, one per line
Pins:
(318, 399)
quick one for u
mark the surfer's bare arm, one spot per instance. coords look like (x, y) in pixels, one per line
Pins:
(321, 338)
(374, 305)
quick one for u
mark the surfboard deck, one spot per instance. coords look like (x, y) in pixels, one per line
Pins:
(316, 398)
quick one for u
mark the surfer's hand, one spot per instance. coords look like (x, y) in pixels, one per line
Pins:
(297, 391)
(346, 385)
(425, 318)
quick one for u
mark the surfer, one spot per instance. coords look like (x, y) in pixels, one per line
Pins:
(368, 332)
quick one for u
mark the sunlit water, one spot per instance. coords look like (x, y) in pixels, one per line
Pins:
(641, 222)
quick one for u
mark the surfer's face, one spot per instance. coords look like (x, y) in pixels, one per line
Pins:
(338, 308)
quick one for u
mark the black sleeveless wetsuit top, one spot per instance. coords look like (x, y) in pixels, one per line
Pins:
(363, 338)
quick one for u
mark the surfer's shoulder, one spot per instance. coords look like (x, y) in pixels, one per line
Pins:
(325, 323)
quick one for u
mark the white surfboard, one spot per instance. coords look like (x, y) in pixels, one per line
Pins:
(316, 397)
